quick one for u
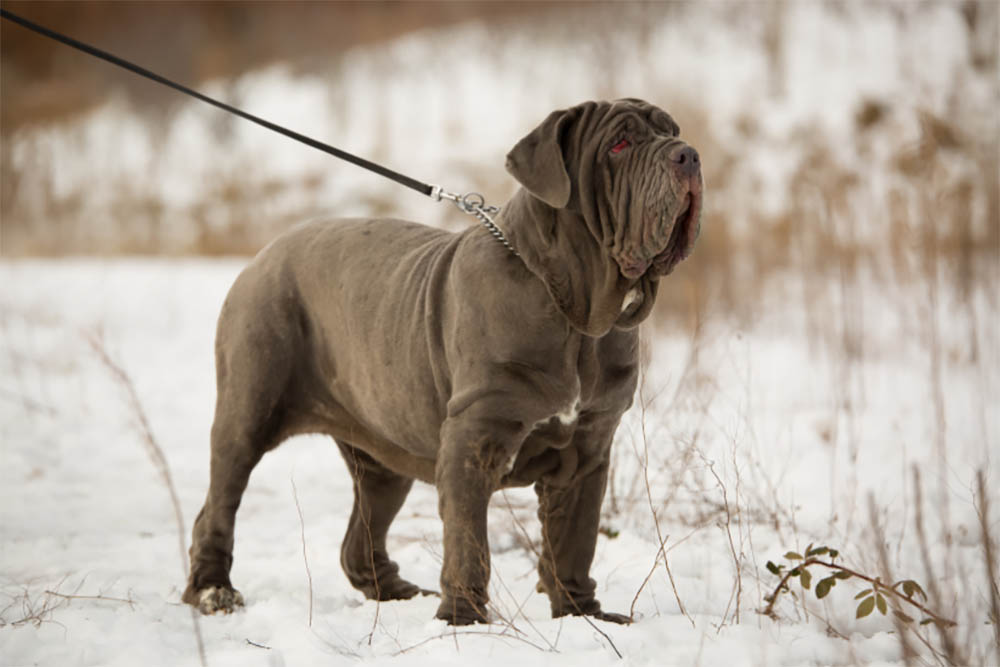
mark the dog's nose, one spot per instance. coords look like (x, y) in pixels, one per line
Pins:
(686, 159)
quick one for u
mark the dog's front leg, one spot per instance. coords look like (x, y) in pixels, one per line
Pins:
(469, 466)
(570, 516)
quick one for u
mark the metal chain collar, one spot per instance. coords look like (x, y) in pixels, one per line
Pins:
(473, 203)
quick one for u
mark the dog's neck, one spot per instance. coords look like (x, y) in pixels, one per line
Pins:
(558, 246)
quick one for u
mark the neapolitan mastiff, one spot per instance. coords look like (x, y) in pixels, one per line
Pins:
(446, 358)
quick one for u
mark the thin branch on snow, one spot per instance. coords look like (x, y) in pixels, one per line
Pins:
(305, 559)
(129, 601)
(158, 458)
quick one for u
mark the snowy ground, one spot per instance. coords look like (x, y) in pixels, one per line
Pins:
(83, 510)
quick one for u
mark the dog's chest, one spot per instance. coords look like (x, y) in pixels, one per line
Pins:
(547, 451)
(598, 382)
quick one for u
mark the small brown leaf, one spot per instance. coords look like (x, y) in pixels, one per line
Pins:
(880, 601)
(791, 555)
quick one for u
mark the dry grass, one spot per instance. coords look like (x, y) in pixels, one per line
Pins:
(159, 461)
(838, 222)
(206, 40)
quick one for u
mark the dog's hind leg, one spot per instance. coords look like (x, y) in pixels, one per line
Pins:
(253, 367)
(378, 495)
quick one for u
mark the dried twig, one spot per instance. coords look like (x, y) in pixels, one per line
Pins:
(947, 642)
(531, 547)
(649, 575)
(909, 654)
(130, 602)
(454, 633)
(738, 584)
(586, 618)
(305, 559)
(34, 612)
(566, 593)
(159, 460)
(989, 558)
(661, 540)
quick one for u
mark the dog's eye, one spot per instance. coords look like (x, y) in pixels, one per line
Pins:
(620, 146)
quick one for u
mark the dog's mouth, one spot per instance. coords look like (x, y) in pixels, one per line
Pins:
(682, 235)
(679, 244)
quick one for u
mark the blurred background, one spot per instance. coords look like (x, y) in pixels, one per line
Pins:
(854, 141)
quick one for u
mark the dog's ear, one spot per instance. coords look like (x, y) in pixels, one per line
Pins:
(538, 162)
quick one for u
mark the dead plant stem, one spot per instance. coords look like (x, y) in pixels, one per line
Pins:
(607, 637)
(989, 557)
(159, 460)
(130, 602)
(661, 540)
(305, 558)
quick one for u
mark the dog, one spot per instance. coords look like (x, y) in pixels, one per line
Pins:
(447, 358)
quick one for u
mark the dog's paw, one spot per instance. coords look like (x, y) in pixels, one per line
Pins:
(461, 612)
(396, 589)
(611, 617)
(592, 608)
(392, 588)
(216, 600)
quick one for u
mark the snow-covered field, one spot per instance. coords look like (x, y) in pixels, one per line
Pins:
(84, 510)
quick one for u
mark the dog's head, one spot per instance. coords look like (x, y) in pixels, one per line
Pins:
(618, 173)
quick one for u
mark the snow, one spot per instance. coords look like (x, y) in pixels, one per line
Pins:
(84, 511)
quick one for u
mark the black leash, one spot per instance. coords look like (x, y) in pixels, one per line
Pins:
(422, 188)
(471, 203)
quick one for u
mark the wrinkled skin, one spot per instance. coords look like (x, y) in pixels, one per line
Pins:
(445, 358)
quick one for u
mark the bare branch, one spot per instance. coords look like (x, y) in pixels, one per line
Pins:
(661, 552)
(130, 602)
(989, 558)
(159, 460)
(305, 559)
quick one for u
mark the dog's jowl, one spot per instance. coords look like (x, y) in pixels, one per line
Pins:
(447, 358)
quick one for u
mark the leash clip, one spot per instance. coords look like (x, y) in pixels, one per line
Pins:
(474, 204)
(438, 193)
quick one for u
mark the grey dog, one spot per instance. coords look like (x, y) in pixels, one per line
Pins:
(445, 357)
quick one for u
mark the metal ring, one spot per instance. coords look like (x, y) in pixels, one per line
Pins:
(472, 200)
